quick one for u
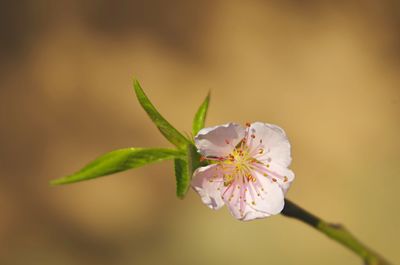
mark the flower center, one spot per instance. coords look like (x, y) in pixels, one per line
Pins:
(240, 158)
(239, 165)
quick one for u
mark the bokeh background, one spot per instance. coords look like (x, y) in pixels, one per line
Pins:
(326, 71)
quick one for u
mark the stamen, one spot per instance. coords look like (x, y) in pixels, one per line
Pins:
(251, 178)
(212, 158)
(256, 187)
(251, 190)
(246, 135)
(230, 187)
(242, 195)
(267, 172)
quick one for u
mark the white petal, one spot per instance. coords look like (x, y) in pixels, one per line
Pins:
(286, 176)
(273, 142)
(219, 141)
(271, 199)
(248, 215)
(277, 173)
(207, 182)
(285, 187)
(262, 199)
(252, 215)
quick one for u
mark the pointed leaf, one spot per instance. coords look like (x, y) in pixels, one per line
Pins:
(193, 157)
(169, 132)
(120, 160)
(200, 117)
(182, 177)
(184, 169)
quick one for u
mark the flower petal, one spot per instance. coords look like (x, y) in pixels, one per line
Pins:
(285, 187)
(252, 215)
(271, 199)
(207, 182)
(248, 214)
(268, 143)
(219, 141)
(258, 199)
(285, 176)
(276, 173)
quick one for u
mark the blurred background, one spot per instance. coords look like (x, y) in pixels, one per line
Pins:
(326, 71)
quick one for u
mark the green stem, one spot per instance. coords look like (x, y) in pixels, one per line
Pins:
(335, 232)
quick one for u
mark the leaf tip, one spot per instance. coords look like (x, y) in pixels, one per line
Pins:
(56, 182)
(180, 196)
(62, 181)
(136, 84)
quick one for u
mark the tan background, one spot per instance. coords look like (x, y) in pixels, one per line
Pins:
(326, 71)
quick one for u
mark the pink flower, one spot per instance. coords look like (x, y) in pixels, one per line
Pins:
(248, 169)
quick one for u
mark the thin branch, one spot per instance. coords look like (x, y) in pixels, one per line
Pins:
(334, 231)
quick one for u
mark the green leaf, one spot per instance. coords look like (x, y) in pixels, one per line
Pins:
(193, 158)
(182, 177)
(184, 169)
(200, 117)
(120, 160)
(169, 132)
